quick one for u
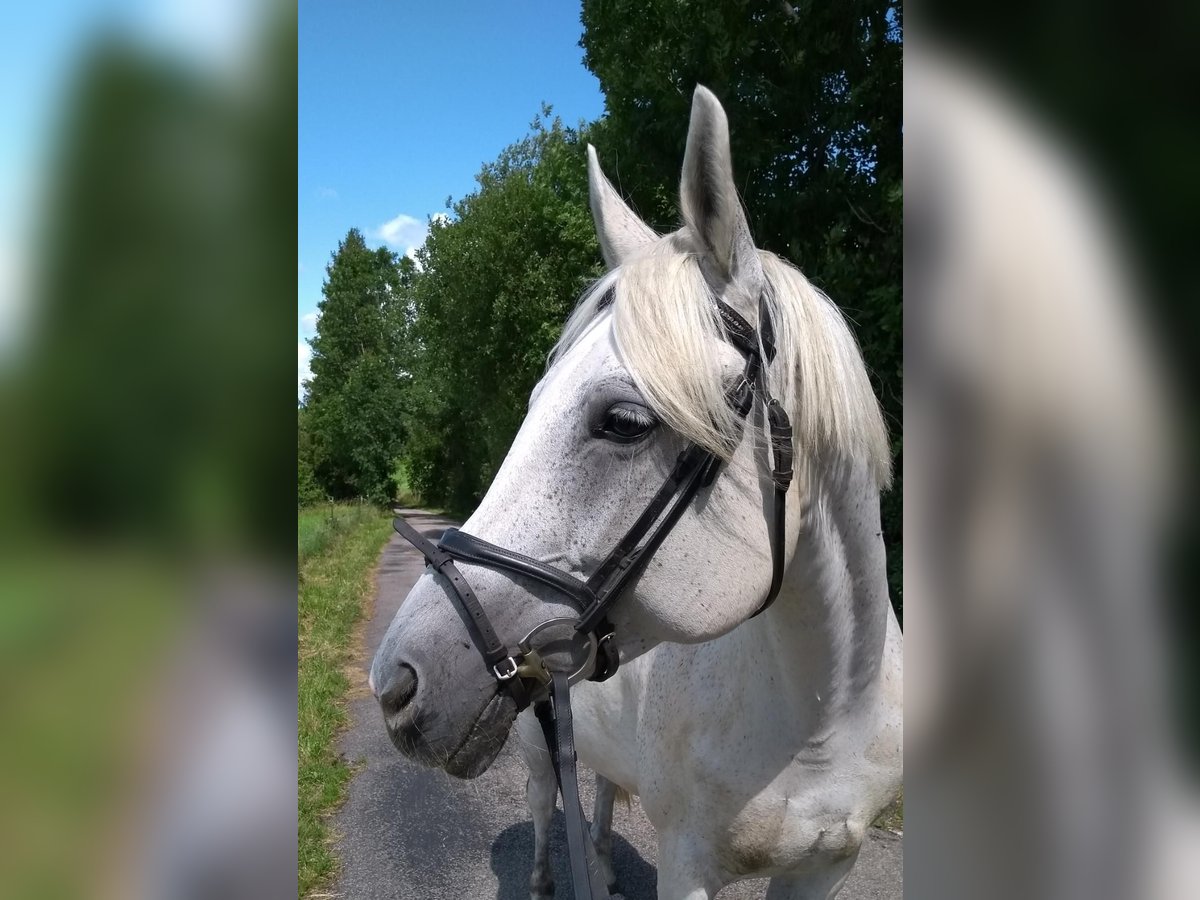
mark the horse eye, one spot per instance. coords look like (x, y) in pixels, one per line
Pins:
(626, 423)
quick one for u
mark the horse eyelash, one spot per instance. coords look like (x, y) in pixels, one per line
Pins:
(629, 416)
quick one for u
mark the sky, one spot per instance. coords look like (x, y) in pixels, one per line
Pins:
(401, 103)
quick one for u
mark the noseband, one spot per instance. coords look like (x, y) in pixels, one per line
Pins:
(522, 672)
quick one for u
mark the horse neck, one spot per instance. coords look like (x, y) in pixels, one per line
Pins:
(830, 620)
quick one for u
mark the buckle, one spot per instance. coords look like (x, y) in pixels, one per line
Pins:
(579, 674)
(607, 659)
(533, 668)
(505, 670)
(740, 395)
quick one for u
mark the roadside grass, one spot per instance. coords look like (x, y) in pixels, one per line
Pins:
(892, 818)
(319, 526)
(338, 547)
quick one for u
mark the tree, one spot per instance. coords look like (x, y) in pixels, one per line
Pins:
(354, 409)
(307, 489)
(813, 93)
(151, 403)
(496, 284)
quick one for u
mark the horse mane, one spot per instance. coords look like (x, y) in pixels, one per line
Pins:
(665, 336)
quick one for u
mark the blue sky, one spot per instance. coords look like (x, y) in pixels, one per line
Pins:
(402, 102)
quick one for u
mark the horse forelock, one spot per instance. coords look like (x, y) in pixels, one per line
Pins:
(664, 328)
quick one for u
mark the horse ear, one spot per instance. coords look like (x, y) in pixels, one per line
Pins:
(709, 198)
(622, 234)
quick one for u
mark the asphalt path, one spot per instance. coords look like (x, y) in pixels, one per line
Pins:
(414, 833)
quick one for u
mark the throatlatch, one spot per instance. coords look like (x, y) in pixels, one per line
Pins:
(521, 671)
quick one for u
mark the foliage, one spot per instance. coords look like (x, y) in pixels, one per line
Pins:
(813, 94)
(406, 497)
(495, 286)
(355, 405)
(307, 489)
(338, 548)
(146, 406)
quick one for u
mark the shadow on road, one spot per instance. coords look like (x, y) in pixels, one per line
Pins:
(636, 878)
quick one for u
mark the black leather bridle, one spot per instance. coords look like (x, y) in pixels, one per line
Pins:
(522, 672)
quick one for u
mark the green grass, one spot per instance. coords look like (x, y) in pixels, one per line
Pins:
(320, 525)
(338, 546)
(892, 818)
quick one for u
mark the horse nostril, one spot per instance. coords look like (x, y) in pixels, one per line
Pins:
(397, 690)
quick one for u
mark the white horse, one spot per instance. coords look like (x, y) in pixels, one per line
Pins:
(758, 747)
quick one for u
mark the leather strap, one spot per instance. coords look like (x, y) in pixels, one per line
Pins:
(479, 627)
(554, 715)
(471, 549)
(739, 332)
(607, 657)
(629, 558)
(781, 475)
(614, 572)
(694, 467)
(766, 329)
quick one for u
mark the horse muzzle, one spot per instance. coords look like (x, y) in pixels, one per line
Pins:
(464, 741)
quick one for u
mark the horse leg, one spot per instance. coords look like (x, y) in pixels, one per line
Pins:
(820, 885)
(685, 870)
(541, 793)
(602, 813)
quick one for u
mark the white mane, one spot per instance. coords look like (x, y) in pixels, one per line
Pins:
(665, 330)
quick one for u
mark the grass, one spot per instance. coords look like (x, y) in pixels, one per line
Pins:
(320, 526)
(338, 546)
(892, 818)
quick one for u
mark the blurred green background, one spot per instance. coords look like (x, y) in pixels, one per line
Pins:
(147, 435)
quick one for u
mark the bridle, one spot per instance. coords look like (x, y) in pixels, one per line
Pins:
(523, 672)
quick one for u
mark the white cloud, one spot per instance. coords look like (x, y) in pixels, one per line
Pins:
(303, 358)
(327, 193)
(308, 322)
(404, 233)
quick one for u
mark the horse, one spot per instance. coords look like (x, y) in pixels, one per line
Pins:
(759, 745)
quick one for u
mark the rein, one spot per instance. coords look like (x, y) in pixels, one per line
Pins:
(522, 672)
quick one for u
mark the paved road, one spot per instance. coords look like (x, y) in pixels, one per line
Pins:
(412, 833)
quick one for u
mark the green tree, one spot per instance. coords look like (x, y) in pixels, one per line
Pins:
(354, 408)
(496, 284)
(307, 489)
(813, 93)
(150, 402)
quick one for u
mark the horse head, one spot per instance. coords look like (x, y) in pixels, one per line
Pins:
(645, 369)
